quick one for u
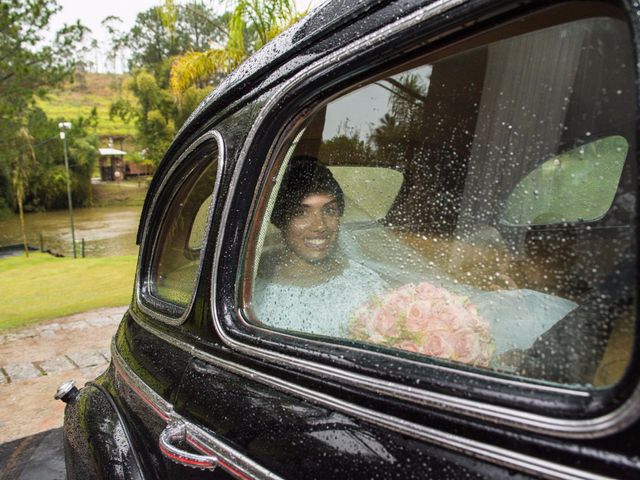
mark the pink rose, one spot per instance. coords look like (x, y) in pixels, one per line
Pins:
(397, 301)
(386, 324)
(466, 347)
(447, 321)
(419, 315)
(409, 346)
(427, 290)
(436, 345)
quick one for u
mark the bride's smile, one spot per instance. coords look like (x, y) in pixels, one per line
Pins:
(312, 231)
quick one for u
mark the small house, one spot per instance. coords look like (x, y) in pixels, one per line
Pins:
(113, 166)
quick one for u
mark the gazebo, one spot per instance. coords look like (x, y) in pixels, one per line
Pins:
(112, 166)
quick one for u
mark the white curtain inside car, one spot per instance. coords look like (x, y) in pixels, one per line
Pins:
(528, 85)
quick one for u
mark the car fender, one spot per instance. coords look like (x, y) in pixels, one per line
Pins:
(97, 441)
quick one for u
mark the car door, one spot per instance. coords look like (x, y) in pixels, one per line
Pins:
(440, 343)
(147, 364)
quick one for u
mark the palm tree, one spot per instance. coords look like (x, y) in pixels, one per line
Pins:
(21, 164)
(259, 20)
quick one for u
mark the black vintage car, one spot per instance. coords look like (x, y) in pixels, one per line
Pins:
(398, 242)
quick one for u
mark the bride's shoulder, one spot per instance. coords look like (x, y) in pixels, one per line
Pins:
(360, 271)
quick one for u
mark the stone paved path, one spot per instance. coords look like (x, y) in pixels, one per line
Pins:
(35, 360)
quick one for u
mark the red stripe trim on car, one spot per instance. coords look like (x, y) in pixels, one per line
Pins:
(142, 396)
(203, 449)
(194, 442)
(185, 460)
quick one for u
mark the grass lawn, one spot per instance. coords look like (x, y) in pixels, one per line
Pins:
(42, 287)
(130, 193)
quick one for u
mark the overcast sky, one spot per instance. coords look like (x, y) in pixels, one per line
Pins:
(92, 12)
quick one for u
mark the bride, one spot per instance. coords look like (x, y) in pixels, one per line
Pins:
(312, 286)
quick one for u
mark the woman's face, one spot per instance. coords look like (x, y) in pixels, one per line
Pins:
(313, 229)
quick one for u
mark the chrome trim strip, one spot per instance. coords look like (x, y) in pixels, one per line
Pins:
(588, 428)
(140, 274)
(479, 450)
(229, 458)
(159, 404)
(175, 432)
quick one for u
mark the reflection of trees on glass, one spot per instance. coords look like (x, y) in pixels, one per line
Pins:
(400, 132)
(346, 148)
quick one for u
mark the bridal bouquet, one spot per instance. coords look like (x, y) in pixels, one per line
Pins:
(426, 319)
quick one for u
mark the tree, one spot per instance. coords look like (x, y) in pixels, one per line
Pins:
(153, 113)
(164, 32)
(118, 47)
(24, 159)
(47, 180)
(346, 148)
(201, 25)
(401, 132)
(29, 67)
(252, 24)
(158, 36)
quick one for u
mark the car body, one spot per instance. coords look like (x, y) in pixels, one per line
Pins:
(486, 148)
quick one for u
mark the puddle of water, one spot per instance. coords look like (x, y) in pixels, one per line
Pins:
(107, 231)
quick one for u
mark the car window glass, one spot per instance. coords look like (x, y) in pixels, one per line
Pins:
(199, 223)
(372, 190)
(577, 186)
(476, 209)
(177, 254)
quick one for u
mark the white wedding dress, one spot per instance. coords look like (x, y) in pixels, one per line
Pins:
(517, 317)
(323, 309)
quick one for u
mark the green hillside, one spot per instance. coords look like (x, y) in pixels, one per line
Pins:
(89, 90)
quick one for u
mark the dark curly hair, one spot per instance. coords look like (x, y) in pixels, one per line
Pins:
(304, 176)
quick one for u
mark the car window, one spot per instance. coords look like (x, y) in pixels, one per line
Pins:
(474, 209)
(177, 253)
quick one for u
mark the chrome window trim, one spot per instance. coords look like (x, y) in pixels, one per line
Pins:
(247, 467)
(596, 427)
(144, 272)
(482, 451)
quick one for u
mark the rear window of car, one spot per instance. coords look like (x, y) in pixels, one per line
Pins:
(182, 211)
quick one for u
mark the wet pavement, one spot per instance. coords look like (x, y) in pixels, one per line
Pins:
(39, 456)
(33, 362)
